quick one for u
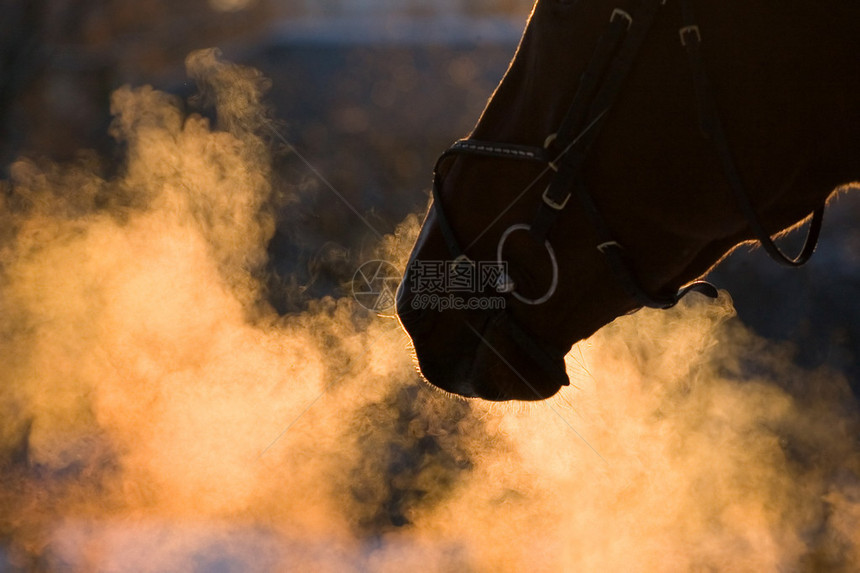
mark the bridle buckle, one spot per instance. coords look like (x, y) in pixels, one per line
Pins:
(694, 29)
(618, 12)
(553, 204)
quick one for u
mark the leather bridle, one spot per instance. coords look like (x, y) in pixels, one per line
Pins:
(566, 150)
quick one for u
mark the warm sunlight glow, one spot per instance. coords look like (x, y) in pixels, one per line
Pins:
(230, 5)
(159, 416)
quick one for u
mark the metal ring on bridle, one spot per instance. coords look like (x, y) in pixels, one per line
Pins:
(553, 285)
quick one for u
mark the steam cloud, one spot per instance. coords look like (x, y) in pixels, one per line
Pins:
(158, 414)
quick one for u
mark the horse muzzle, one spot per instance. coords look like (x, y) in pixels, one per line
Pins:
(480, 354)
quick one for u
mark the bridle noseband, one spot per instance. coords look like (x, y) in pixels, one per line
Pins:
(565, 153)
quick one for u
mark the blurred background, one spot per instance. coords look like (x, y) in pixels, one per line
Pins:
(364, 95)
(368, 92)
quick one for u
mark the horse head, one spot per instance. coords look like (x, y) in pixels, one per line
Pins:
(629, 147)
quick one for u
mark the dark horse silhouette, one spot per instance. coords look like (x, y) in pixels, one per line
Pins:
(629, 147)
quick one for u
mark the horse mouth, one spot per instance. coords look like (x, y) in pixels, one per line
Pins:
(503, 369)
(474, 355)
